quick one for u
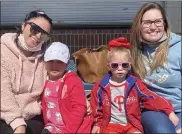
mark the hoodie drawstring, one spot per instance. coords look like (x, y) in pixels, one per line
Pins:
(21, 70)
(19, 79)
(33, 77)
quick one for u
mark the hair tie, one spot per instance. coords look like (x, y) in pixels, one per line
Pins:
(119, 42)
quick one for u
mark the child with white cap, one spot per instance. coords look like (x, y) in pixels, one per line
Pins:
(63, 99)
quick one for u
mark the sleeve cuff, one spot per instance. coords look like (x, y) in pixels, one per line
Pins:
(168, 112)
(17, 122)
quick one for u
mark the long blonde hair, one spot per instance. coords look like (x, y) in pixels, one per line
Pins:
(161, 54)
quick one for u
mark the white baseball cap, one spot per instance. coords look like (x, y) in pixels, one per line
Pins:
(57, 51)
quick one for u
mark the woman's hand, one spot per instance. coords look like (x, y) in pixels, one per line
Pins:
(174, 118)
(96, 130)
(20, 129)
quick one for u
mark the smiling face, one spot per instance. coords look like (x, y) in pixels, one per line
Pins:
(55, 69)
(32, 40)
(152, 27)
(119, 73)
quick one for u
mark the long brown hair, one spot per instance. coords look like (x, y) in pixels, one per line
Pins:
(136, 49)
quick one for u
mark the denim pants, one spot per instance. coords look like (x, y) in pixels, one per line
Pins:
(158, 122)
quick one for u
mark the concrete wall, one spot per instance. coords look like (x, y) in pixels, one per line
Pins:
(173, 10)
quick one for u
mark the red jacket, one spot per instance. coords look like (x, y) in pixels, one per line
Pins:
(135, 93)
(73, 105)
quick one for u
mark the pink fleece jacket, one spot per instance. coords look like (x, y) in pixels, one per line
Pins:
(22, 80)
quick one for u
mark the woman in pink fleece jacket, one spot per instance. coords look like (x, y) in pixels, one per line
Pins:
(23, 75)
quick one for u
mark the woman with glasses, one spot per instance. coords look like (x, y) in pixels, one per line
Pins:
(23, 75)
(156, 53)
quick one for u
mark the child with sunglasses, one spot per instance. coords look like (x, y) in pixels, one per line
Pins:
(23, 75)
(63, 100)
(116, 99)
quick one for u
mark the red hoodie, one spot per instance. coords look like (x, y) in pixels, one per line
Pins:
(135, 93)
(73, 106)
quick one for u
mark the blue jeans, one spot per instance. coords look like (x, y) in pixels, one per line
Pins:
(158, 122)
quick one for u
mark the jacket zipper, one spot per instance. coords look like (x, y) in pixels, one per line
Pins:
(127, 115)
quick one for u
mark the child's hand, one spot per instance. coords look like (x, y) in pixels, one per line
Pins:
(96, 129)
(174, 118)
(89, 110)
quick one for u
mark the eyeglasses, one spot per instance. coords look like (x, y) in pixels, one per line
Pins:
(35, 29)
(124, 65)
(157, 22)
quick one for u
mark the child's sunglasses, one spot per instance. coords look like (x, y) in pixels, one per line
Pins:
(124, 65)
(35, 29)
